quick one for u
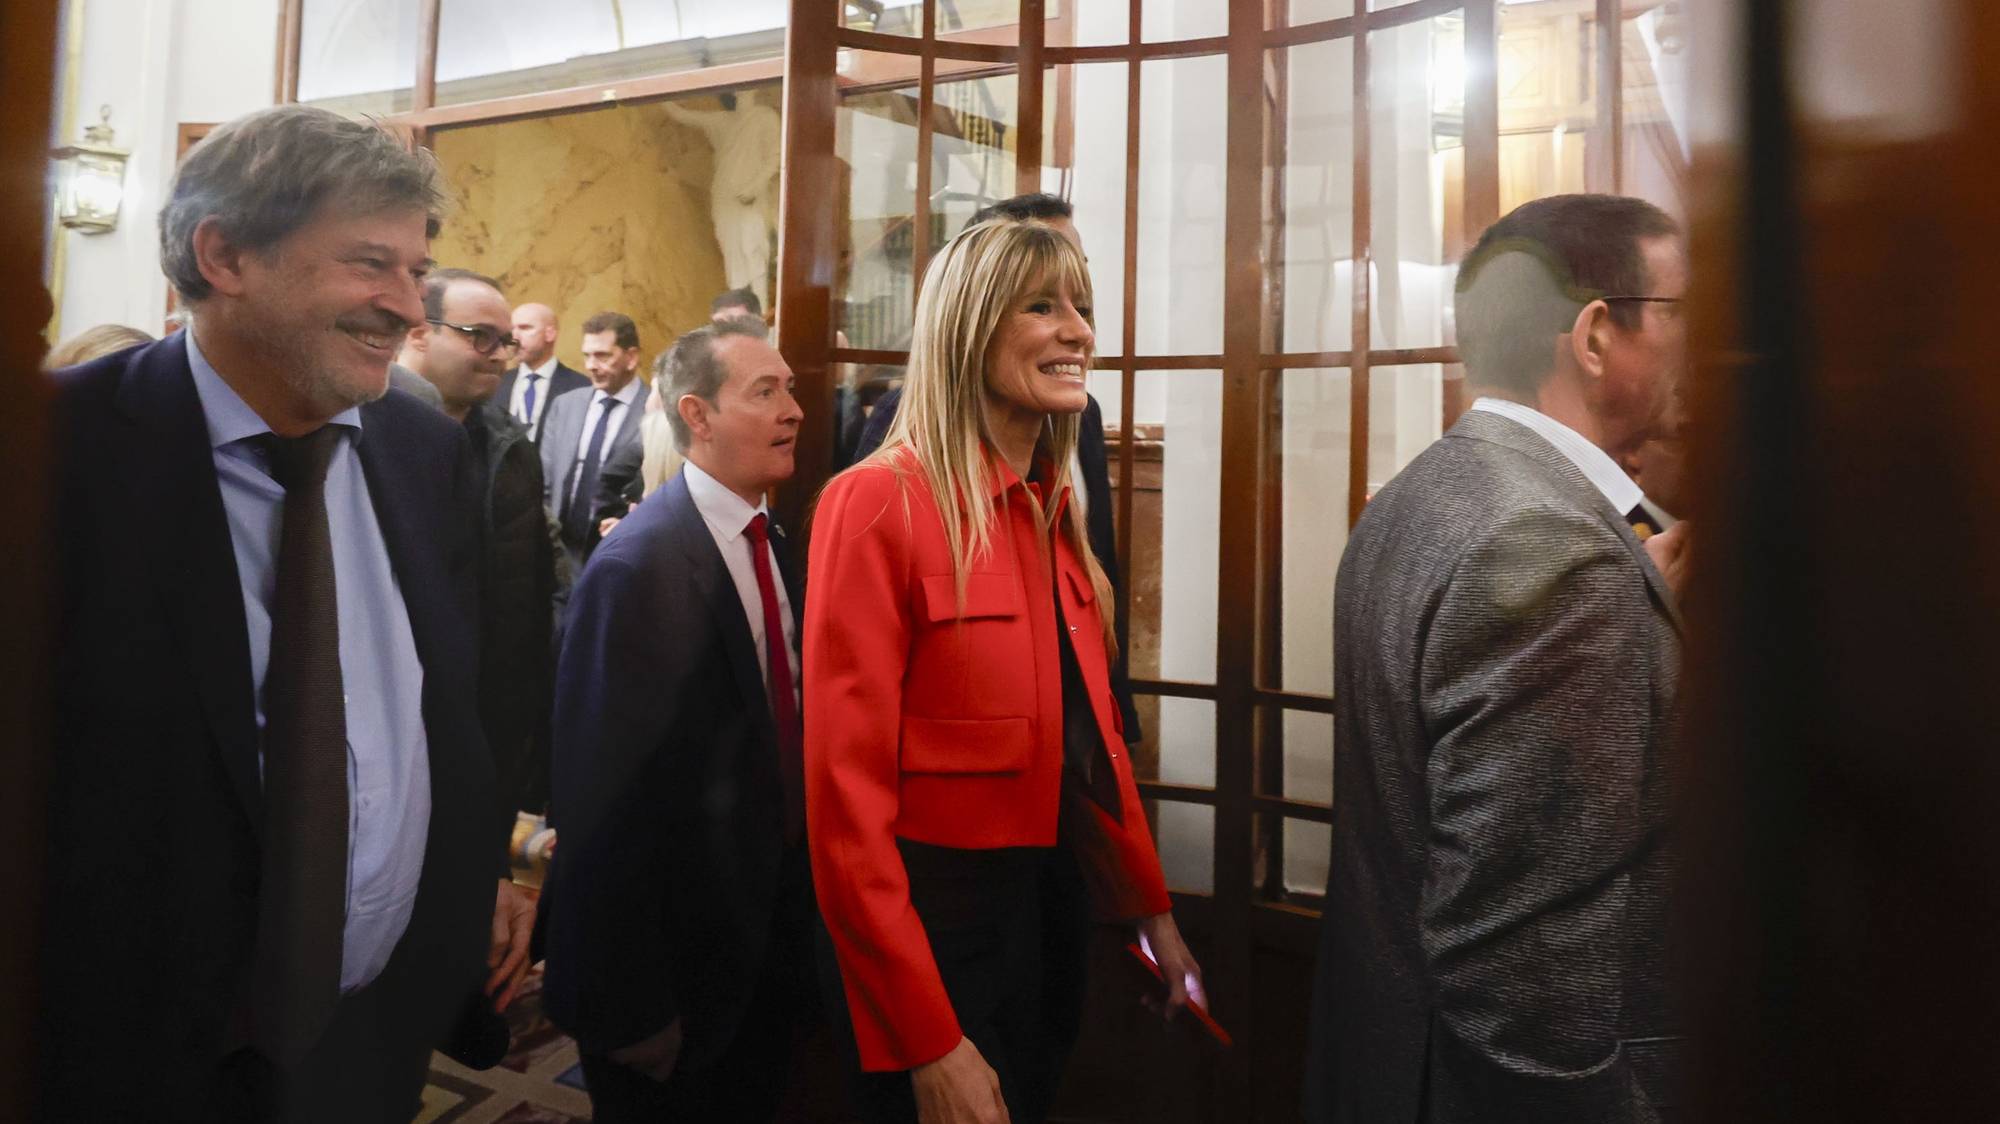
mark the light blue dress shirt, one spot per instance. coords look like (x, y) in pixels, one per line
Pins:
(388, 757)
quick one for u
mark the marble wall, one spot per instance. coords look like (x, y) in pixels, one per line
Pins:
(604, 209)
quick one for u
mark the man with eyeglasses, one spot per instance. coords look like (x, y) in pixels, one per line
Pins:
(583, 430)
(461, 349)
(1507, 655)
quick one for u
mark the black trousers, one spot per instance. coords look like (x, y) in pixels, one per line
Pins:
(747, 1082)
(1009, 930)
(369, 1068)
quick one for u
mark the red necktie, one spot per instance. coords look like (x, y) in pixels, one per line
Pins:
(778, 684)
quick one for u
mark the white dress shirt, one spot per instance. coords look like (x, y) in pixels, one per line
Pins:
(727, 515)
(599, 403)
(1595, 464)
(546, 371)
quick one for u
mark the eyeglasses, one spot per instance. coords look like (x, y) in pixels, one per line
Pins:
(483, 339)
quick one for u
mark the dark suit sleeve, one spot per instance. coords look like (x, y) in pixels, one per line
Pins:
(877, 425)
(1537, 685)
(1091, 455)
(609, 983)
(618, 482)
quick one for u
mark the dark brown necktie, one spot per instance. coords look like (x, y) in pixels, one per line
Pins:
(302, 900)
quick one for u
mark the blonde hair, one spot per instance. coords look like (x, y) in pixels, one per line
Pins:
(659, 460)
(968, 290)
(94, 343)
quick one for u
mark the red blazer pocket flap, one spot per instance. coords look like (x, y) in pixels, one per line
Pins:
(966, 745)
(987, 594)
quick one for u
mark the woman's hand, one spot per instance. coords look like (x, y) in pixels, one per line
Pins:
(1183, 976)
(959, 1088)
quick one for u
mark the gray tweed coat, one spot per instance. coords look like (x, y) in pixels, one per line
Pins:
(1506, 659)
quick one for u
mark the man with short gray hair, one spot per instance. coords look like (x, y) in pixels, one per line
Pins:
(680, 908)
(1507, 658)
(272, 879)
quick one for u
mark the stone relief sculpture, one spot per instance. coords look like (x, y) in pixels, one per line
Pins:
(747, 139)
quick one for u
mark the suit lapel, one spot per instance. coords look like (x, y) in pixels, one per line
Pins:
(708, 577)
(179, 501)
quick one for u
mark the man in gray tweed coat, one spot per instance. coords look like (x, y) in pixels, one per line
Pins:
(1507, 655)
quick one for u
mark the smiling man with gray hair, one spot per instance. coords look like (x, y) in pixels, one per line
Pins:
(272, 874)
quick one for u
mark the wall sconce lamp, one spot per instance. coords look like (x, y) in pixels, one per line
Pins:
(90, 179)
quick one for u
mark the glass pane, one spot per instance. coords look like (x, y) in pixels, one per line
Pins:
(876, 138)
(1312, 11)
(858, 386)
(1314, 443)
(495, 48)
(1405, 414)
(558, 210)
(1292, 858)
(358, 56)
(1416, 91)
(1309, 749)
(1654, 77)
(1083, 150)
(979, 15)
(1181, 735)
(972, 150)
(1176, 512)
(890, 17)
(1162, 21)
(1185, 836)
(1317, 195)
(1183, 116)
(1547, 75)
(1089, 23)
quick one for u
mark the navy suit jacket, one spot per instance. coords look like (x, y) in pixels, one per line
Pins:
(155, 803)
(666, 798)
(562, 380)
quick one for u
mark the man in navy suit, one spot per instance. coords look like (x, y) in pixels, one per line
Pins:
(272, 871)
(526, 390)
(680, 906)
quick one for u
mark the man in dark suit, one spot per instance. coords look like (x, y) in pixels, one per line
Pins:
(1507, 654)
(680, 906)
(460, 349)
(1091, 466)
(526, 391)
(583, 431)
(271, 873)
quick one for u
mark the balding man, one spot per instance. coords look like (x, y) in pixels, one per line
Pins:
(526, 389)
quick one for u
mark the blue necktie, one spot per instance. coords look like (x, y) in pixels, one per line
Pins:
(576, 520)
(528, 401)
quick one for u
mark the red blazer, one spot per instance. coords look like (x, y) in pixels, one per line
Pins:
(945, 730)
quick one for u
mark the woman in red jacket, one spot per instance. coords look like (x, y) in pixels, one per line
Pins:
(968, 798)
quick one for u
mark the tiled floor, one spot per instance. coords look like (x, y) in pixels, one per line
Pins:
(538, 1083)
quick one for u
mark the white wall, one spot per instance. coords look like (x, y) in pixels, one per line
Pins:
(157, 63)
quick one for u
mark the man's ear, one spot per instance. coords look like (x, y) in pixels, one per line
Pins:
(221, 262)
(694, 412)
(1590, 338)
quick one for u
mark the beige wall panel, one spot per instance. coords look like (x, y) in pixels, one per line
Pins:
(605, 209)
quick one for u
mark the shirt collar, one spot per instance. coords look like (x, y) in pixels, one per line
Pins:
(1596, 465)
(625, 396)
(723, 510)
(546, 370)
(230, 419)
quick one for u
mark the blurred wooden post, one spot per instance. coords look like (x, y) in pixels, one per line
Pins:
(1843, 889)
(27, 81)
